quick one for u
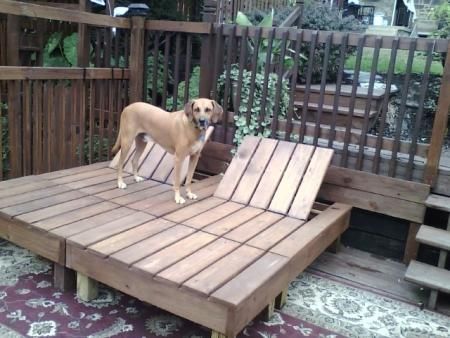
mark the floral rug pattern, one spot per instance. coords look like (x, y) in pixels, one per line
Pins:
(317, 307)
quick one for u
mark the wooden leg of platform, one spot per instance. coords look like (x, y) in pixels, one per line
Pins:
(268, 311)
(215, 334)
(335, 246)
(87, 288)
(63, 278)
(433, 299)
(280, 301)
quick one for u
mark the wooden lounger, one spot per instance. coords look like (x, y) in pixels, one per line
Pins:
(222, 260)
(40, 212)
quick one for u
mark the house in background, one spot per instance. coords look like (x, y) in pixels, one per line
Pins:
(394, 17)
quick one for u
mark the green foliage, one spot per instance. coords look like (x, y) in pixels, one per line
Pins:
(441, 14)
(98, 144)
(194, 83)
(321, 17)
(61, 51)
(159, 75)
(280, 14)
(266, 21)
(254, 126)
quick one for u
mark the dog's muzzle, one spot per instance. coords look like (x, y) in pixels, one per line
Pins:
(202, 123)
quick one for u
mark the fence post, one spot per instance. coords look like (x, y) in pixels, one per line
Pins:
(300, 3)
(439, 125)
(206, 64)
(83, 38)
(137, 14)
(209, 10)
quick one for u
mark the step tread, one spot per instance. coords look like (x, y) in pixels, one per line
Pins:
(438, 202)
(342, 110)
(346, 90)
(428, 276)
(433, 236)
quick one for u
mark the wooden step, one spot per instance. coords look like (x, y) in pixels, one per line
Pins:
(428, 276)
(346, 90)
(342, 110)
(435, 237)
(438, 202)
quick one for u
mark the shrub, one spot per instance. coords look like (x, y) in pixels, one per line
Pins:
(252, 128)
(321, 17)
(194, 84)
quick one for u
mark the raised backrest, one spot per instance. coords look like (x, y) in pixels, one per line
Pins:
(156, 163)
(279, 176)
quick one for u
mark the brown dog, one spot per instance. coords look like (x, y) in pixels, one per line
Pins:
(181, 133)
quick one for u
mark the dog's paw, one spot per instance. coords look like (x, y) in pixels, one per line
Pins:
(179, 200)
(121, 185)
(138, 179)
(191, 195)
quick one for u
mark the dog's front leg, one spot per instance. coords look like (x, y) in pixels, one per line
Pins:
(193, 160)
(176, 180)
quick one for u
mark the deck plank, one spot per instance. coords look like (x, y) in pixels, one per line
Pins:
(193, 264)
(91, 222)
(312, 180)
(74, 215)
(128, 166)
(25, 188)
(41, 203)
(58, 209)
(141, 194)
(125, 239)
(106, 177)
(273, 174)
(192, 210)
(213, 215)
(150, 245)
(292, 178)
(29, 196)
(104, 231)
(152, 161)
(72, 171)
(217, 274)
(165, 167)
(254, 171)
(115, 192)
(250, 229)
(237, 167)
(232, 221)
(81, 176)
(109, 185)
(175, 252)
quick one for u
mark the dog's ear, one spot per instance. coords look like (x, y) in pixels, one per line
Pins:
(189, 109)
(217, 112)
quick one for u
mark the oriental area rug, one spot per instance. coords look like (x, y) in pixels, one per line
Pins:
(317, 307)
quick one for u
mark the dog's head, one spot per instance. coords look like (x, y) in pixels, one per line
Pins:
(203, 112)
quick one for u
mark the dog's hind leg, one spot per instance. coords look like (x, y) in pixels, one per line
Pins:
(140, 147)
(125, 148)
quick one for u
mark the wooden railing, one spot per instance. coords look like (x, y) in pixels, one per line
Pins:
(168, 63)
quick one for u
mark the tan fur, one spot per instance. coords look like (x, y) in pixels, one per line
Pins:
(179, 133)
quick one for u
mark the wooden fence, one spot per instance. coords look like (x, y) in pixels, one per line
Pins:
(166, 63)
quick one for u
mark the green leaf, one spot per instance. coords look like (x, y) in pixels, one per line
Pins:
(242, 19)
(267, 21)
(70, 48)
(53, 42)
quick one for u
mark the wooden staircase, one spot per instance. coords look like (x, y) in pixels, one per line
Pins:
(435, 278)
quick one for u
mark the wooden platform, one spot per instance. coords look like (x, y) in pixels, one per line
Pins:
(217, 261)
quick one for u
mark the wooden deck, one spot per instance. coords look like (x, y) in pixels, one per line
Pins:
(218, 261)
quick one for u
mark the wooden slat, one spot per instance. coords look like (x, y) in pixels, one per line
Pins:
(74, 215)
(134, 197)
(291, 178)
(179, 26)
(152, 161)
(191, 265)
(99, 233)
(433, 236)
(429, 276)
(32, 195)
(112, 192)
(247, 230)
(232, 221)
(92, 181)
(73, 171)
(213, 215)
(217, 274)
(438, 202)
(57, 209)
(150, 245)
(174, 253)
(254, 171)
(41, 203)
(164, 168)
(130, 237)
(91, 222)
(193, 210)
(82, 176)
(13, 187)
(59, 73)
(240, 288)
(61, 14)
(273, 174)
(312, 180)
(237, 167)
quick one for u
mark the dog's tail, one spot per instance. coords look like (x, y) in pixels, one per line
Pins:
(117, 145)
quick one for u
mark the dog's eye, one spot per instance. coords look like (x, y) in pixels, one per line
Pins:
(207, 110)
(197, 110)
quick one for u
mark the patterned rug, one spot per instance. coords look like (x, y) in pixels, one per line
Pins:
(317, 307)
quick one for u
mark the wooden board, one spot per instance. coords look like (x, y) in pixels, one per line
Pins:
(429, 276)
(438, 202)
(435, 237)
